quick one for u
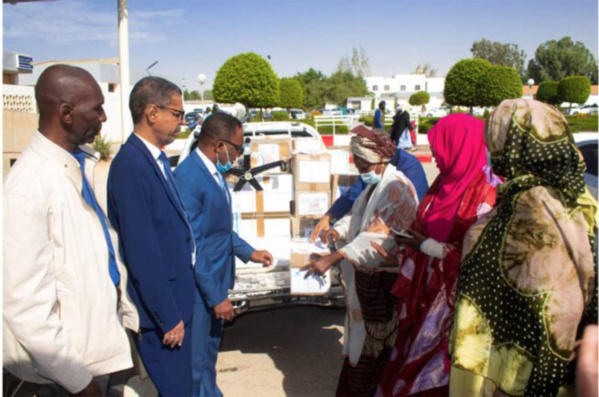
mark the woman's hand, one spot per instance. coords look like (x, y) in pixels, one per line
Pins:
(321, 226)
(320, 264)
(329, 236)
(412, 242)
(389, 260)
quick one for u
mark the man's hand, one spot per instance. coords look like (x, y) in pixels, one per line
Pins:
(263, 257)
(224, 310)
(91, 390)
(175, 336)
(321, 226)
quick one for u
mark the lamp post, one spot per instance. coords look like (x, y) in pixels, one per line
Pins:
(531, 82)
(202, 80)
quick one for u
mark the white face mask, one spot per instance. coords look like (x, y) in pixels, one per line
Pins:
(370, 178)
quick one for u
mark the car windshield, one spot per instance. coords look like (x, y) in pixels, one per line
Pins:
(589, 153)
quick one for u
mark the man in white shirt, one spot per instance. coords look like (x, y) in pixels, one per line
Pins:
(65, 300)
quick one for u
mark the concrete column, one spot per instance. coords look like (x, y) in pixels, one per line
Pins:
(125, 84)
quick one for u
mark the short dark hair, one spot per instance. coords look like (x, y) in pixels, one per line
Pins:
(219, 126)
(150, 90)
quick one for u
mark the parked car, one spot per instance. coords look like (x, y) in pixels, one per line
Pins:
(587, 144)
(191, 117)
(297, 114)
(257, 287)
(435, 112)
(585, 109)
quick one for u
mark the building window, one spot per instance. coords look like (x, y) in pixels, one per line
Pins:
(402, 87)
(417, 88)
(386, 88)
(375, 88)
(111, 87)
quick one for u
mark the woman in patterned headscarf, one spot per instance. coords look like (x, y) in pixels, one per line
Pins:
(389, 201)
(527, 274)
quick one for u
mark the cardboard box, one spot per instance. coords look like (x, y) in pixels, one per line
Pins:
(302, 251)
(312, 172)
(307, 145)
(302, 226)
(266, 151)
(251, 201)
(340, 162)
(264, 225)
(279, 247)
(271, 182)
(340, 184)
(311, 203)
(261, 281)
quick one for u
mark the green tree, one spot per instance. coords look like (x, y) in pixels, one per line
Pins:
(498, 83)
(461, 83)
(420, 98)
(555, 60)
(312, 83)
(292, 93)
(547, 92)
(574, 89)
(208, 95)
(246, 78)
(500, 54)
(342, 85)
(191, 96)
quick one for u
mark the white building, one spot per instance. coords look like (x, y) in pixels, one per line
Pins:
(402, 86)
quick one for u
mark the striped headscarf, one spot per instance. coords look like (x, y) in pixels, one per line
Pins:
(374, 146)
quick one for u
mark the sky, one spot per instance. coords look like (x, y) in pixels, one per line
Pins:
(189, 37)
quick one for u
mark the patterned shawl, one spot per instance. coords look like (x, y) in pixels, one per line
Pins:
(527, 279)
(373, 146)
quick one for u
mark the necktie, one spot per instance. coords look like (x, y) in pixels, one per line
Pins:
(170, 181)
(90, 199)
(222, 183)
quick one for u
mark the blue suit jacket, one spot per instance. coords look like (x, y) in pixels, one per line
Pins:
(154, 239)
(209, 209)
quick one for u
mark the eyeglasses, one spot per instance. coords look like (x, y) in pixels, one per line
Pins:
(175, 112)
(238, 149)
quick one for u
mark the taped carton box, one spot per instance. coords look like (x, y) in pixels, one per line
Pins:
(307, 145)
(266, 151)
(251, 201)
(302, 251)
(311, 203)
(264, 225)
(271, 182)
(312, 172)
(302, 226)
(340, 162)
(340, 184)
(279, 247)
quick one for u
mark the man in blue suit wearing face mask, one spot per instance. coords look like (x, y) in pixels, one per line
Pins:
(207, 200)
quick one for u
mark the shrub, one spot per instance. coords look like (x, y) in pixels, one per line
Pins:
(291, 93)
(498, 83)
(280, 116)
(462, 80)
(548, 92)
(339, 129)
(102, 146)
(578, 123)
(574, 89)
(419, 98)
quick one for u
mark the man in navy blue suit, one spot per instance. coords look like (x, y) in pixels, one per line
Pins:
(208, 202)
(155, 237)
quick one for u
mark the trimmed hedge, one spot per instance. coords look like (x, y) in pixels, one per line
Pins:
(583, 123)
(419, 98)
(461, 83)
(279, 116)
(548, 92)
(498, 83)
(574, 89)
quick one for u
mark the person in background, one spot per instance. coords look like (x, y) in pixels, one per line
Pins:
(430, 261)
(378, 121)
(400, 130)
(527, 283)
(405, 162)
(64, 286)
(155, 236)
(206, 197)
(388, 202)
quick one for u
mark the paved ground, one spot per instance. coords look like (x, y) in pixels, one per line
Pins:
(294, 351)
